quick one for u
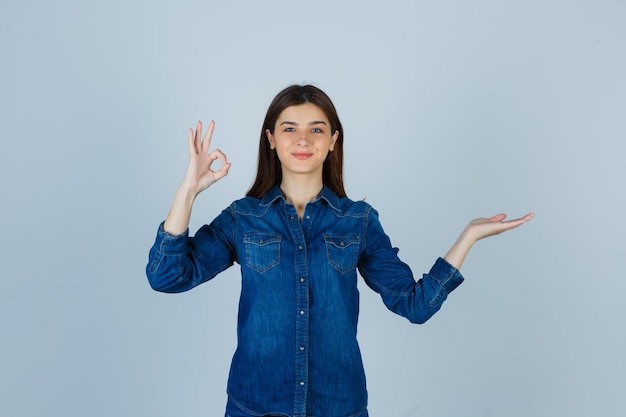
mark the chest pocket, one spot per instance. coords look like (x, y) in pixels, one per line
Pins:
(342, 252)
(262, 251)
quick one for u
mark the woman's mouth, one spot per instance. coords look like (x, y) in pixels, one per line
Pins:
(302, 155)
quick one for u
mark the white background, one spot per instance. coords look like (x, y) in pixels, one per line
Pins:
(452, 110)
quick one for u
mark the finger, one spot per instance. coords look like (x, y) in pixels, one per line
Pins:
(198, 137)
(190, 143)
(206, 141)
(222, 172)
(512, 224)
(217, 154)
(498, 217)
(523, 219)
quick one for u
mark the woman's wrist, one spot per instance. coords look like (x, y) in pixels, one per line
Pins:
(457, 253)
(177, 220)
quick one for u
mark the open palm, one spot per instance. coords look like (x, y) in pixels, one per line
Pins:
(484, 227)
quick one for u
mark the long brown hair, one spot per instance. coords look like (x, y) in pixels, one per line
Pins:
(269, 171)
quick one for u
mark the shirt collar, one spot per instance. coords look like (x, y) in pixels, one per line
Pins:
(326, 194)
(272, 195)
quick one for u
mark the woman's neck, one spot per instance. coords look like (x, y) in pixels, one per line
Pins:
(300, 191)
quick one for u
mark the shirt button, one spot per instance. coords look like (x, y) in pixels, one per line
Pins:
(302, 279)
(302, 312)
(300, 247)
(291, 218)
(308, 217)
(301, 383)
(301, 348)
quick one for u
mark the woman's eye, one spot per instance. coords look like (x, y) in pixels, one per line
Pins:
(290, 129)
(316, 130)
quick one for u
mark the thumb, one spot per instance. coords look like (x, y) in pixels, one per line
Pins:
(222, 172)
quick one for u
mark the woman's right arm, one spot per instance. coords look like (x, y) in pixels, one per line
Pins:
(198, 177)
(174, 262)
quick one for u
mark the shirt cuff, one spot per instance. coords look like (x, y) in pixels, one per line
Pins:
(169, 244)
(448, 276)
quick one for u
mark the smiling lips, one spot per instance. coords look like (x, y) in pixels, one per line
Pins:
(302, 155)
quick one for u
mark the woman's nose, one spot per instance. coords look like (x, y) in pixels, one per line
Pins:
(303, 140)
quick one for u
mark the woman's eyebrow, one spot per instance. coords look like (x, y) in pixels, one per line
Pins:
(315, 122)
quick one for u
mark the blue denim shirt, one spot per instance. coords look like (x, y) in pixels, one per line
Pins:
(297, 352)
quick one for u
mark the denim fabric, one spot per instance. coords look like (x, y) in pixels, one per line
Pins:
(297, 353)
(233, 411)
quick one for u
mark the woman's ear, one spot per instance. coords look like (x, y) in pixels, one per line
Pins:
(333, 140)
(270, 138)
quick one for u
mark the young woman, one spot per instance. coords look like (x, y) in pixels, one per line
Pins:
(299, 242)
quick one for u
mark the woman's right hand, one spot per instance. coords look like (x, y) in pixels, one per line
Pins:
(199, 176)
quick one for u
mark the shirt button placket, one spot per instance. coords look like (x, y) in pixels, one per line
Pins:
(302, 319)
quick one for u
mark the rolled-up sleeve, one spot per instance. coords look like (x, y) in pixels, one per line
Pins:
(180, 263)
(385, 273)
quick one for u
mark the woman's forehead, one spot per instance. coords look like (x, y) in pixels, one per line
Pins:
(306, 112)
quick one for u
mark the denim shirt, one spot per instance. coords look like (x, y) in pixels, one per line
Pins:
(297, 353)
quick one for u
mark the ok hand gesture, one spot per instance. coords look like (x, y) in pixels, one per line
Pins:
(199, 175)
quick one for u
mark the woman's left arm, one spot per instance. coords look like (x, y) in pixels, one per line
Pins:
(479, 229)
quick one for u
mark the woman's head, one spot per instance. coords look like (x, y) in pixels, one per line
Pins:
(269, 171)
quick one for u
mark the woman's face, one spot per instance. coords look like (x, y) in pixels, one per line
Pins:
(302, 139)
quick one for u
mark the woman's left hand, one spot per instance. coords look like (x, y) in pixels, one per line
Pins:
(484, 227)
(479, 229)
